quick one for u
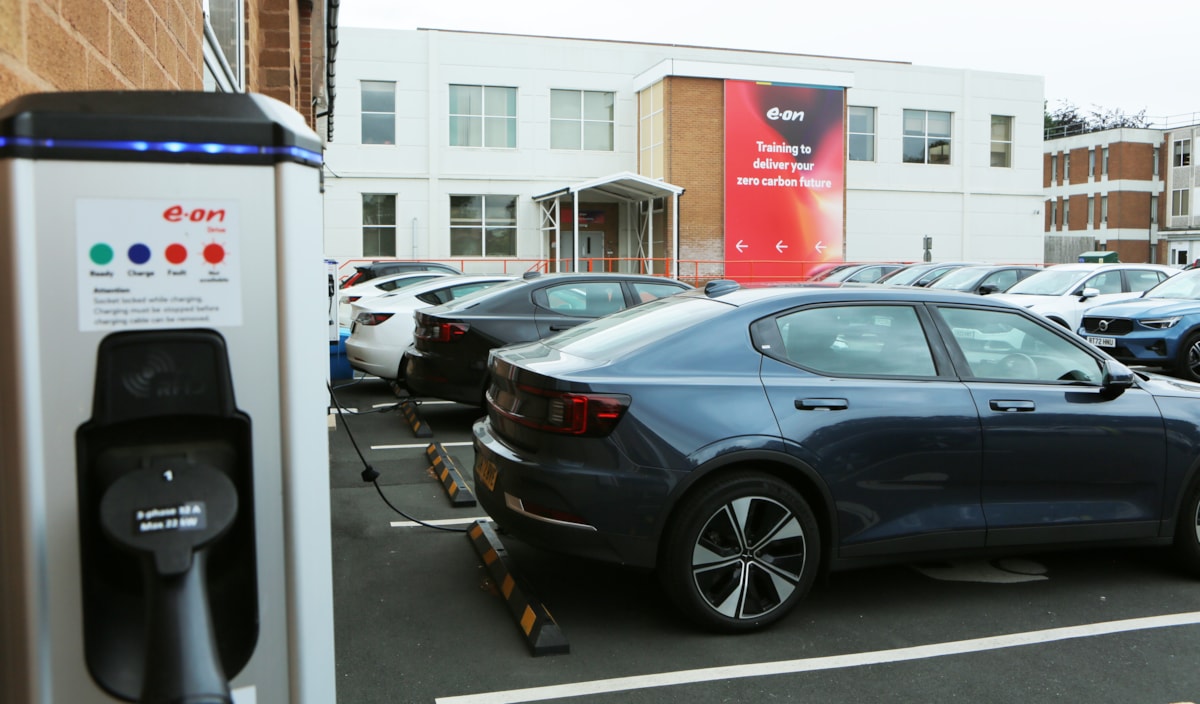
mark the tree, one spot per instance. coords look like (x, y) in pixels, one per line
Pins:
(1067, 120)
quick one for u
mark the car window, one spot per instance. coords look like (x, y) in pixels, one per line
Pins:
(404, 282)
(861, 339)
(445, 295)
(1107, 282)
(1009, 346)
(1001, 279)
(645, 291)
(1142, 279)
(587, 299)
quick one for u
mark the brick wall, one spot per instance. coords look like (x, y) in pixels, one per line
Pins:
(61, 45)
(694, 111)
(99, 45)
(1127, 160)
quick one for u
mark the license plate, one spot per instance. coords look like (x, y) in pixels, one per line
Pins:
(486, 471)
(1103, 341)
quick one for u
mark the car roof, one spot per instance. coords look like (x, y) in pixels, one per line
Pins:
(805, 293)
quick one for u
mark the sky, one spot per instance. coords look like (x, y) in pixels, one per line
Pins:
(1097, 55)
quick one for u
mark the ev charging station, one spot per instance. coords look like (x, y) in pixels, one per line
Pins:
(164, 489)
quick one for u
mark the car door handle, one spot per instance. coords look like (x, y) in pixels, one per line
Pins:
(558, 328)
(822, 404)
(1012, 406)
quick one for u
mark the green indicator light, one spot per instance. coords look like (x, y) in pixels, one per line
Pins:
(101, 254)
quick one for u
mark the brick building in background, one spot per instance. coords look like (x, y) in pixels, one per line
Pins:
(1125, 190)
(273, 47)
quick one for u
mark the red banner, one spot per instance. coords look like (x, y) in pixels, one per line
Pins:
(784, 178)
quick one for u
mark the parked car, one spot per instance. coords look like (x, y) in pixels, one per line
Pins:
(451, 342)
(365, 272)
(858, 273)
(1159, 329)
(1065, 292)
(921, 274)
(743, 441)
(383, 326)
(984, 279)
(379, 286)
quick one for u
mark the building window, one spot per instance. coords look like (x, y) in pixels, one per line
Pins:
(1002, 131)
(1183, 152)
(378, 112)
(651, 130)
(1179, 202)
(224, 59)
(1156, 156)
(483, 116)
(1067, 168)
(1091, 207)
(926, 137)
(1066, 214)
(581, 119)
(1104, 162)
(1104, 209)
(1092, 164)
(483, 226)
(1054, 214)
(861, 134)
(1153, 209)
(1053, 169)
(379, 224)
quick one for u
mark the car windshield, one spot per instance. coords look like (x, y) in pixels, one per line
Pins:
(633, 328)
(958, 279)
(1181, 286)
(1049, 283)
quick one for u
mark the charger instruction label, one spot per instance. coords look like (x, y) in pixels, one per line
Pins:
(190, 515)
(150, 263)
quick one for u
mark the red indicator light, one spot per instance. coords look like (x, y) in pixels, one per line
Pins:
(214, 253)
(176, 254)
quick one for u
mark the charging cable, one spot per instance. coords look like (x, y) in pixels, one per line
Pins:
(371, 475)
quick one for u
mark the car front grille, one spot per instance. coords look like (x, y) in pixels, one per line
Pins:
(1107, 326)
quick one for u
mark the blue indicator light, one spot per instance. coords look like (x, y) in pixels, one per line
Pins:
(298, 153)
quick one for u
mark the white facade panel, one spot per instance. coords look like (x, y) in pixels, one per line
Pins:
(973, 210)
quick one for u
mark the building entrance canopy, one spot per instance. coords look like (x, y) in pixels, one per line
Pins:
(624, 188)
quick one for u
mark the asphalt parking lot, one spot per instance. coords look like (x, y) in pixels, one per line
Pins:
(419, 618)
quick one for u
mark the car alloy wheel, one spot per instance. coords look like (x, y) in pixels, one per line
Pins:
(744, 551)
(1189, 358)
(1187, 530)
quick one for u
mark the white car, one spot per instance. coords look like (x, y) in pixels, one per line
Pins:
(383, 326)
(1063, 292)
(377, 287)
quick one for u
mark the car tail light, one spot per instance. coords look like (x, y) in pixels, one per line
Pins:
(371, 318)
(441, 332)
(350, 299)
(570, 413)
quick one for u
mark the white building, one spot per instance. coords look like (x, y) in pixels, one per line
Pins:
(473, 148)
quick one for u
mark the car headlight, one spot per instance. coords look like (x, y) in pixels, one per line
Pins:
(1161, 323)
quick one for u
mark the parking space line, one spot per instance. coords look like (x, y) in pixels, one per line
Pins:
(439, 522)
(420, 445)
(782, 667)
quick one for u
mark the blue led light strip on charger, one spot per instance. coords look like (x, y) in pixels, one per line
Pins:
(299, 153)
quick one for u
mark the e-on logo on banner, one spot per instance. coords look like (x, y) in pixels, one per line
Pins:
(157, 263)
(784, 178)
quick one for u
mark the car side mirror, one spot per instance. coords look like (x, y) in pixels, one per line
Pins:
(988, 288)
(1117, 377)
(1088, 292)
